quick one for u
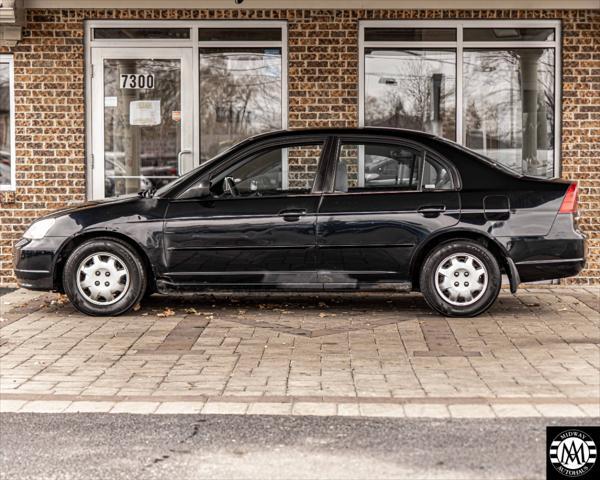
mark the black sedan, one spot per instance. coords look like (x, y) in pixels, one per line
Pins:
(332, 209)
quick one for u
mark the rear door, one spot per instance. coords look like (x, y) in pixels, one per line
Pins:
(385, 197)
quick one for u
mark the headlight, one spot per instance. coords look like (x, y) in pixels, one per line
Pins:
(39, 229)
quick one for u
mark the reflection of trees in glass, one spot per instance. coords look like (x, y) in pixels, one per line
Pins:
(240, 96)
(141, 151)
(5, 133)
(411, 89)
(509, 106)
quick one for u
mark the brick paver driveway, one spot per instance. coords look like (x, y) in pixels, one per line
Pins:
(533, 354)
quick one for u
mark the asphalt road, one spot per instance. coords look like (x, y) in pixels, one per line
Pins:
(109, 446)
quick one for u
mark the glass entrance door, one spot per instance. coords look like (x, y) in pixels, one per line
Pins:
(142, 118)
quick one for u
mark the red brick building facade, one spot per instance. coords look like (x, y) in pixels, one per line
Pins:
(51, 151)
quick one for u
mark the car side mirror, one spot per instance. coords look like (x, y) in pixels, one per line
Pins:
(200, 190)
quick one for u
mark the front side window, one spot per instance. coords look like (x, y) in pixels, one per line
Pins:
(373, 166)
(277, 171)
(491, 87)
(7, 151)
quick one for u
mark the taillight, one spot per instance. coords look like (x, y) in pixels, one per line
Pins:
(569, 203)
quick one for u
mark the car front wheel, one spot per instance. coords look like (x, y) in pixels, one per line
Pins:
(103, 277)
(460, 279)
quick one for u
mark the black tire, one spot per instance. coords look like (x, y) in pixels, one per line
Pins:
(484, 298)
(127, 258)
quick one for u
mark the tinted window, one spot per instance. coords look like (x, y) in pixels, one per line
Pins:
(141, 33)
(508, 34)
(410, 34)
(436, 176)
(239, 34)
(274, 172)
(371, 167)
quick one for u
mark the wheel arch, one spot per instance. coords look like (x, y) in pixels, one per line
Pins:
(71, 244)
(495, 247)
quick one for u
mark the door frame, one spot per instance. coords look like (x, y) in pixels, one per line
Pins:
(98, 56)
(192, 43)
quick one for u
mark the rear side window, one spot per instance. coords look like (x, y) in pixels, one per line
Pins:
(436, 176)
(365, 167)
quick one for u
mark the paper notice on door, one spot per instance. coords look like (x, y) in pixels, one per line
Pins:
(145, 113)
(110, 102)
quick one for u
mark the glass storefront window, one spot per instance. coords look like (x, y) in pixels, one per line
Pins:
(7, 153)
(240, 95)
(506, 106)
(411, 89)
(509, 107)
(141, 132)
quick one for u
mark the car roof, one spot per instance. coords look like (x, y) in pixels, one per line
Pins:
(315, 131)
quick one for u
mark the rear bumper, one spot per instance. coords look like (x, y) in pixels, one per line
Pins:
(33, 262)
(561, 253)
(531, 271)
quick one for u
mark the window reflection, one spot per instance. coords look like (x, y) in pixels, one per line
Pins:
(412, 89)
(240, 95)
(509, 107)
(5, 129)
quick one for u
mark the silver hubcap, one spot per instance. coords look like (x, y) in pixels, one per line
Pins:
(461, 279)
(103, 278)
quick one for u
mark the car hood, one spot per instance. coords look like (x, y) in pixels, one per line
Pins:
(80, 207)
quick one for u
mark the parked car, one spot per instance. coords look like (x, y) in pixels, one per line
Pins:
(332, 209)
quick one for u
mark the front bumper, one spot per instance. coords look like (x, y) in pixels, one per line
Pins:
(34, 261)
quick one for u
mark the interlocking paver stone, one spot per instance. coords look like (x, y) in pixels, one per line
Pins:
(536, 353)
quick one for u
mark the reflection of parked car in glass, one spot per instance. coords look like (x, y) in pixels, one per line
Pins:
(339, 209)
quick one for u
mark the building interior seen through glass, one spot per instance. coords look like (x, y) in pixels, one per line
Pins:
(141, 130)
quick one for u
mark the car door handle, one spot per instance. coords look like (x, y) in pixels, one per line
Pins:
(431, 210)
(292, 215)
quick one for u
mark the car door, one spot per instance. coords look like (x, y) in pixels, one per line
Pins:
(257, 226)
(385, 197)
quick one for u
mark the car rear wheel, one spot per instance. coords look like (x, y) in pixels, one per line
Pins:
(103, 277)
(460, 278)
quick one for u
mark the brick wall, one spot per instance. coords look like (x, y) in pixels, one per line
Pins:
(322, 83)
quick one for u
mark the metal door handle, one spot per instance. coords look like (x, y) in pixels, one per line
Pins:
(292, 215)
(431, 210)
(179, 155)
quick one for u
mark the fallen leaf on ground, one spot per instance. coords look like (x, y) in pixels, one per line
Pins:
(191, 311)
(136, 307)
(167, 312)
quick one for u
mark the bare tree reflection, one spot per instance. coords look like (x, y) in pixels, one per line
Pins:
(240, 95)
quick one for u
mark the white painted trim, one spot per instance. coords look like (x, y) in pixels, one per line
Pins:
(459, 45)
(13, 156)
(319, 4)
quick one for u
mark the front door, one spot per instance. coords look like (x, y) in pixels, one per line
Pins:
(142, 118)
(257, 227)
